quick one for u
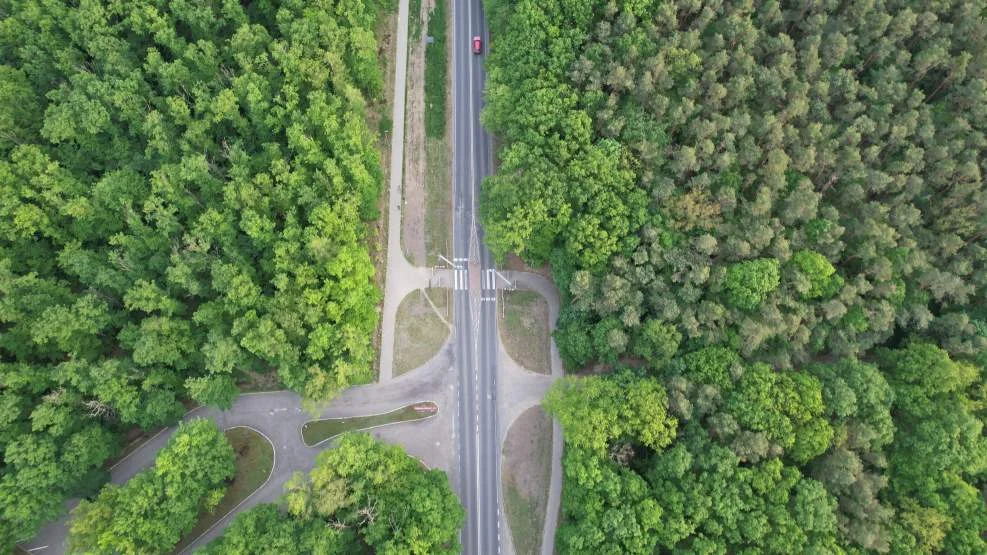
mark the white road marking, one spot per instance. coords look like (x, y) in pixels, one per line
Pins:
(461, 279)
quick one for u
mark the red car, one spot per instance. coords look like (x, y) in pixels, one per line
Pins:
(477, 45)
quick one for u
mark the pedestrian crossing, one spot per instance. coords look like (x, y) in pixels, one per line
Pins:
(488, 280)
(460, 279)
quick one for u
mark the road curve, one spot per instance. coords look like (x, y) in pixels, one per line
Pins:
(279, 415)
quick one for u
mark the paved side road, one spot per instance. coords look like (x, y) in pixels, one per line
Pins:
(279, 416)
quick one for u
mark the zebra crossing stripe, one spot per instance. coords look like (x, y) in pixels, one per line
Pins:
(461, 280)
(489, 279)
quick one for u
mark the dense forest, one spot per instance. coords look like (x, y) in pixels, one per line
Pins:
(362, 497)
(185, 191)
(768, 223)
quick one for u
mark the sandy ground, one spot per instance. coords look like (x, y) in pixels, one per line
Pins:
(420, 332)
(413, 208)
(527, 453)
(524, 329)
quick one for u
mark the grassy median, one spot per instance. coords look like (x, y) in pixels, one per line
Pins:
(317, 431)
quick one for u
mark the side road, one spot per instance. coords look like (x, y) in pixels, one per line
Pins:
(279, 416)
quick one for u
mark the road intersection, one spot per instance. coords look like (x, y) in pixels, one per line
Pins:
(471, 373)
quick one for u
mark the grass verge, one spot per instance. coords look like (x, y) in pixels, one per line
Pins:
(379, 115)
(438, 204)
(524, 329)
(414, 20)
(256, 382)
(526, 474)
(436, 69)
(317, 431)
(419, 332)
(254, 462)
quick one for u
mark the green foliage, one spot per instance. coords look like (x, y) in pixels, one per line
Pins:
(748, 283)
(819, 273)
(713, 504)
(266, 529)
(712, 365)
(658, 342)
(940, 455)
(786, 407)
(595, 412)
(155, 508)
(361, 492)
(685, 147)
(184, 190)
(794, 188)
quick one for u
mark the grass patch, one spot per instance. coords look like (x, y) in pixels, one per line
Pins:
(524, 329)
(436, 70)
(419, 332)
(525, 528)
(415, 20)
(526, 472)
(377, 113)
(254, 461)
(317, 431)
(438, 204)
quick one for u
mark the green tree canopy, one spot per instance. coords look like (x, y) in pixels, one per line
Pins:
(155, 508)
(185, 191)
(360, 493)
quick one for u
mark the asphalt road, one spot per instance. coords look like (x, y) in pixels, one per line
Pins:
(476, 340)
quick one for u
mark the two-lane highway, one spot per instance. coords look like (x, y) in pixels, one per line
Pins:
(475, 295)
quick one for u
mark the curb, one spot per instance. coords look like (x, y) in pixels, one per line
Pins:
(270, 473)
(436, 413)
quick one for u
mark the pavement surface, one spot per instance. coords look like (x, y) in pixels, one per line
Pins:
(476, 342)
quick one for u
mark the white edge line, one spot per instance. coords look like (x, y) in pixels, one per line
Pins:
(436, 413)
(245, 499)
